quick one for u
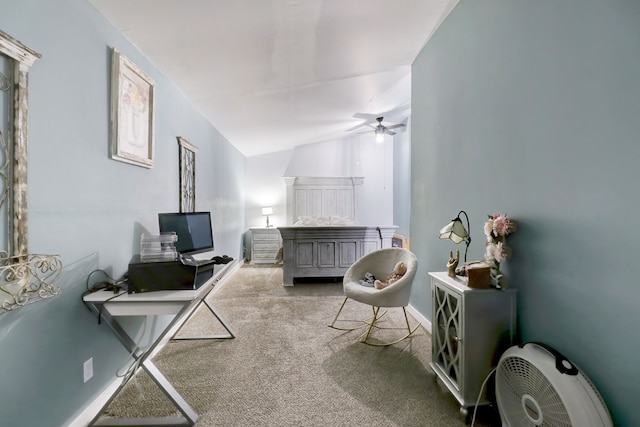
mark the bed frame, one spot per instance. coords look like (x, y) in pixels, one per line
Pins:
(321, 252)
(326, 251)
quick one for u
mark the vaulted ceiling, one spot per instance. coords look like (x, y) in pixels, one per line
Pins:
(274, 74)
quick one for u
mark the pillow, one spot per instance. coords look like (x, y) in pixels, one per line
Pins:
(304, 220)
(319, 221)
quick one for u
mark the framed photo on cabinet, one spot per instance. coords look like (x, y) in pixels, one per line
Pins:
(132, 102)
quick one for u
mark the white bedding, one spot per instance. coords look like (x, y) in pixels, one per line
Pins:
(320, 221)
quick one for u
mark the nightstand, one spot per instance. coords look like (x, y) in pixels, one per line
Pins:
(471, 328)
(265, 245)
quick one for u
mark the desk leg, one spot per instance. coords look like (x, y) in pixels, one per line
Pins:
(189, 415)
(217, 315)
(144, 359)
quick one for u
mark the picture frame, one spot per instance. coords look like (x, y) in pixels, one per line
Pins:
(132, 112)
(187, 153)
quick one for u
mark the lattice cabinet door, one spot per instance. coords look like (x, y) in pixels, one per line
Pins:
(471, 328)
(447, 321)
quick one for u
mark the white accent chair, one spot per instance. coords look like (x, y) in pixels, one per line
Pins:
(380, 263)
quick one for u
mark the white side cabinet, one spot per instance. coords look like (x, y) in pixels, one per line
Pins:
(471, 328)
(265, 244)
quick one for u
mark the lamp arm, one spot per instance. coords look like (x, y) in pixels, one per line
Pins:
(468, 239)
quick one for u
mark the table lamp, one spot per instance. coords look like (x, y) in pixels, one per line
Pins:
(456, 232)
(266, 212)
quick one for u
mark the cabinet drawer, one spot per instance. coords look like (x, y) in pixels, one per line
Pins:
(266, 236)
(264, 255)
(266, 246)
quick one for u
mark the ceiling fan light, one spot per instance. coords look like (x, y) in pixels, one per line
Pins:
(379, 136)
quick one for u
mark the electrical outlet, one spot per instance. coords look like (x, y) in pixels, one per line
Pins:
(88, 369)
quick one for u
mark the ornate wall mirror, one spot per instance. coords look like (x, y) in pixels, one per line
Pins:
(24, 277)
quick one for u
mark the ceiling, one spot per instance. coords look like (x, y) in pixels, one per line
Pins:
(274, 74)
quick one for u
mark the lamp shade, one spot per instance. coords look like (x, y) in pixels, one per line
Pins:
(267, 211)
(457, 233)
(454, 231)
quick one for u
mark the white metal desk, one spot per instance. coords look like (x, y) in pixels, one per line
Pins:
(180, 303)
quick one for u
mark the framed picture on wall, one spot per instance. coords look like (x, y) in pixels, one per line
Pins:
(187, 175)
(132, 99)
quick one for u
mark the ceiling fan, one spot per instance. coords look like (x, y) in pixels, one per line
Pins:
(380, 130)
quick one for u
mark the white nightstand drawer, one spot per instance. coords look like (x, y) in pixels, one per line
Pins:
(265, 255)
(266, 236)
(266, 246)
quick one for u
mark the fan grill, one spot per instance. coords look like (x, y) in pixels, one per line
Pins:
(527, 397)
(594, 391)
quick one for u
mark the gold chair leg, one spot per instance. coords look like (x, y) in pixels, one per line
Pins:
(333, 324)
(373, 322)
(409, 331)
(406, 319)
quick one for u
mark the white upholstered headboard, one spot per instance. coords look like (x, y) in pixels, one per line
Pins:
(321, 196)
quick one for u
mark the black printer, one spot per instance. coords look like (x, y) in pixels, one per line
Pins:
(167, 275)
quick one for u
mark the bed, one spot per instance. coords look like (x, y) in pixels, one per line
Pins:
(324, 237)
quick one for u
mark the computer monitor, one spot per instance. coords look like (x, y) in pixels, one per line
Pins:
(194, 231)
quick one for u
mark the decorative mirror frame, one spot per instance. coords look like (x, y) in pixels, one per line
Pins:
(24, 277)
(187, 152)
(21, 58)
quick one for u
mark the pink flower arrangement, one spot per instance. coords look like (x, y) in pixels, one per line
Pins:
(495, 251)
(497, 228)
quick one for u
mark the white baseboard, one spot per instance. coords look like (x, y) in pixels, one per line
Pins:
(89, 412)
(420, 318)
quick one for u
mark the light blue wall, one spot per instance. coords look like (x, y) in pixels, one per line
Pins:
(89, 209)
(532, 108)
(402, 180)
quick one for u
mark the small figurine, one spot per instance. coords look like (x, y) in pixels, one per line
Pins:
(453, 263)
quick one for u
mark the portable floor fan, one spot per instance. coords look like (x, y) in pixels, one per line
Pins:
(537, 386)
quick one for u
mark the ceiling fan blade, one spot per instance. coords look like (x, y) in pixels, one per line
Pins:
(364, 125)
(372, 117)
(398, 125)
(366, 116)
(389, 132)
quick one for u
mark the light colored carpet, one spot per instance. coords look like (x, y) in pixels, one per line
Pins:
(286, 367)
